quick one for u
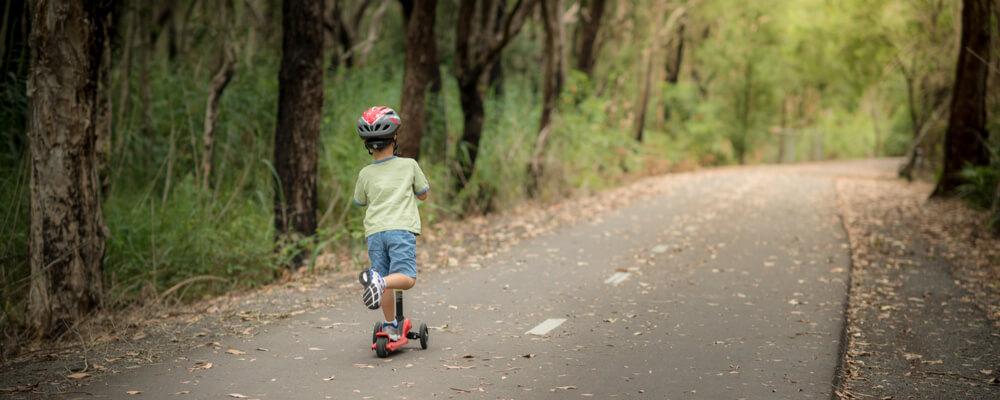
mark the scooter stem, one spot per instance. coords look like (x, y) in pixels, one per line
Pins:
(399, 308)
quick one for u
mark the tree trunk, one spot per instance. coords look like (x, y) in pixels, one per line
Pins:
(103, 119)
(965, 141)
(421, 60)
(296, 137)
(471, 98)
(496, 69)
(674, 63)
(476, 48)
(551, 88)
(741, 144)
(640, 118)
(67, 231)
(218, 85)
(590, 25)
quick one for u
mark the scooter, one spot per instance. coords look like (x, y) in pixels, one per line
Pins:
(381, 343)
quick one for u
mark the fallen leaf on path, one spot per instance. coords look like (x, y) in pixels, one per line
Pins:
(236, 352)
(133, 392)
(529, 355)
(237, 396)
(315, 349)
(200, 365)
(468, 356)
(78, 375)
(912, 356)
(363, 366)
(986, 371)
(564, 388)
(262, 349)
(330, 378)
(457, 366)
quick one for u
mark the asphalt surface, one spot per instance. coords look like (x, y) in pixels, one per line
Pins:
(735, 289)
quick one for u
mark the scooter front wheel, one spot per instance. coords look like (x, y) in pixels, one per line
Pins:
(380, 347)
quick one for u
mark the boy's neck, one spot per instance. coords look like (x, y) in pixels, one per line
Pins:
(383, 154)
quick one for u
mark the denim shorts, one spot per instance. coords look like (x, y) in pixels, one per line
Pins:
(393, 252)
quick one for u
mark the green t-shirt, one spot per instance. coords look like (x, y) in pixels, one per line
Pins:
(389, 187)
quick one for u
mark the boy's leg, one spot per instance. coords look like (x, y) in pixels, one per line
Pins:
(394, 282)
(374, 285)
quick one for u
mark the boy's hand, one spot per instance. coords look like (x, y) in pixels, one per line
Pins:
(423, 196)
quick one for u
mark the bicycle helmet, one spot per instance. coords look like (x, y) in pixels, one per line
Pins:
(378, 123)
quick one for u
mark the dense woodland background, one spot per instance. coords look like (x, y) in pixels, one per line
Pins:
(214, 127)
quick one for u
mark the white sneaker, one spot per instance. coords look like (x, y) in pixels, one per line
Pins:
(374, 285)
(392, 330)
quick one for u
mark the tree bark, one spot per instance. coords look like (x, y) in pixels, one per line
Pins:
(496, 69)
(741, 144)
(421, 61)
(965, 140)
(218, 85)
(674, 62)
(67, 234)
(590, 25)
(296, 137)
(640, 118)
(476, 48)
(551, 88)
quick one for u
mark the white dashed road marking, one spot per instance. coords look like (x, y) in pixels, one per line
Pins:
(546, 326)
(617, 278)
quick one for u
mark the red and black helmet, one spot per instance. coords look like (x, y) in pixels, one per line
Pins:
(378, 123)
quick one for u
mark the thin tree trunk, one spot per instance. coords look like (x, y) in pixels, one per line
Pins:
(67, 234)
(222, 77)
(590, 26)
(747, 109)
(296, 137)
(551, 88)
(496, 69)
(877, 128)
(421, 60)
(965, 141)
(674, 63)
(640, 119)
(914, 153)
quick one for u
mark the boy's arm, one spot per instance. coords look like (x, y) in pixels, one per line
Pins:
(360, 198)
(420, 185)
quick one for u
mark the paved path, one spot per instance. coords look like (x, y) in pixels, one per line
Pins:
(735, 288)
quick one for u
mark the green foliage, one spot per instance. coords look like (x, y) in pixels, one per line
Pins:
(155, 245)
(980, 185)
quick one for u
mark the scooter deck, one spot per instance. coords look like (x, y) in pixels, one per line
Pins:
(394, 345)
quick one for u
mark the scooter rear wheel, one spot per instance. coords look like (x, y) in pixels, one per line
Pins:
(378, 327)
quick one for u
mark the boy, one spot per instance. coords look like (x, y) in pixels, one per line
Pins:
(389, 187)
